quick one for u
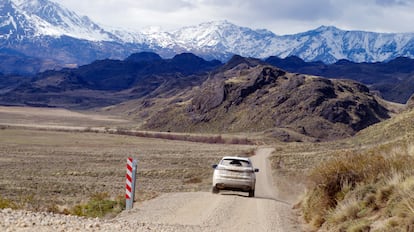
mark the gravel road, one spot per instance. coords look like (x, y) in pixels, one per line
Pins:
(194, 211)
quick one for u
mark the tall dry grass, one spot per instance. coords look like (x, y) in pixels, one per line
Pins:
(369, 191)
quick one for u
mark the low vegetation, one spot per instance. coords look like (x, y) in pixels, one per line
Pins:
(368, 191)
(7, 203)
(99, 205)
(184, 137)
(206, 138)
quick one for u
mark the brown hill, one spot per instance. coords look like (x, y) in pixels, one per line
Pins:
(262, 98)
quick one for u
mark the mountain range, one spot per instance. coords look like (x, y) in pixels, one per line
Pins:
(50, 36)
(107, 82)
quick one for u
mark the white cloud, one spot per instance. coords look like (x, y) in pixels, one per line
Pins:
(279, 16)
(394, 2)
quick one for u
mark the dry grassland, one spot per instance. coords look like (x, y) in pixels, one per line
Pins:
(65, 168)
(50, 167)
(45, 169)
(33, 117)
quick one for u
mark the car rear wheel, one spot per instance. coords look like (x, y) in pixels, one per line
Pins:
(251, 193)
(215, 190)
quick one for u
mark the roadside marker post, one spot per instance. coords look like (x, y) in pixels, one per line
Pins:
(130, 182)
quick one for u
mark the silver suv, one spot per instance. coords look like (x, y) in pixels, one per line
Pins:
(234, 173)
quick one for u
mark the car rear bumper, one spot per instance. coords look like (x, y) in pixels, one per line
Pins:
(234, 184)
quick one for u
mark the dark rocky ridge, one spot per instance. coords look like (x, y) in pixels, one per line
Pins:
(108, 82)
(263, 97)
(392, 80)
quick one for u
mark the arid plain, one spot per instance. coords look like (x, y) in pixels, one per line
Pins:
(54, 158)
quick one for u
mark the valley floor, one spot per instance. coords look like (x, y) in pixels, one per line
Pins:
(47, 168)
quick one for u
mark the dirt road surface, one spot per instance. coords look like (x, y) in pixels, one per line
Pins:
(227, 211)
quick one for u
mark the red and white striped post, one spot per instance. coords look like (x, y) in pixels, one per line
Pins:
(130, 182)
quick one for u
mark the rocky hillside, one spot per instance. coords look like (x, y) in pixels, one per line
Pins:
(390, 79)
(247, 96)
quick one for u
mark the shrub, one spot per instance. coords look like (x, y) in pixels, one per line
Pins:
(6, 203)
(352, 186)
(213, 139)
(99, 205)
(345, 211)
(359, 226)
(314, 207)
(384, 194)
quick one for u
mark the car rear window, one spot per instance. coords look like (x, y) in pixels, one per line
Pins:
(235, 162)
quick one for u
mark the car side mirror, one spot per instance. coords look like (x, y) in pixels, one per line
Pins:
(256, 170)
(214, 166)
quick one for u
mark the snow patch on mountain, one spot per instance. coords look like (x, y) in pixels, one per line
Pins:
(223, 36)
(47, 18)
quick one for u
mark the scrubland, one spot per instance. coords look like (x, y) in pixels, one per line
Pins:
(364, 183)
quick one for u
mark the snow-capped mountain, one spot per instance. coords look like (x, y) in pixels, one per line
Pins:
(218, 39)
(221, 39)
(44, 29)
(330, 44)
(35, 18)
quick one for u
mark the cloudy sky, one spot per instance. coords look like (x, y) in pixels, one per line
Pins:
(279, 16)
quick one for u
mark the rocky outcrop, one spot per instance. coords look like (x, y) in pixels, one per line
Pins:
(391, 79)
(210, 96)
(254, 99)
